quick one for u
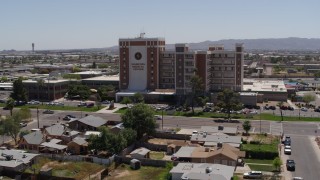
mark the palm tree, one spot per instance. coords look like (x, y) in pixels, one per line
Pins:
(10, 105)
(280, 104)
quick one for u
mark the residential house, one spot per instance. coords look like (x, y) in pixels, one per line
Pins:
(174, 145)
(52, 146)
(15, 160)
(140, 153)
(222, 154)
(87, 123)
(202, 171)
(212, 140)
(32, 141)
(60, 131)
(78, 146)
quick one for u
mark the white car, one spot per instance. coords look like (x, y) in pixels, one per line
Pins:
(304, 109)
(252, 174)
(287, 150)
(157, 117)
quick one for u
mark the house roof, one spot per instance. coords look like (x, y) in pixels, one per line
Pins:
(184, 151)
(216, 138)
(205, 152)
(53, 145)
(34, 138)
(215, 129)
(93, 121)
(199, 171)
(79, 141)
(142, 151)
(19, 157)
(55, 130)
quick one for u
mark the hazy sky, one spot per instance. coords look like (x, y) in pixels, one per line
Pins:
(65, 24)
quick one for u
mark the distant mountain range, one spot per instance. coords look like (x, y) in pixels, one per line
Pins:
(291, 43)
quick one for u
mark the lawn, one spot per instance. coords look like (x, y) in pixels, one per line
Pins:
(63, 108)
(76, 170)
(144, 173)
(258, 161)
(156, 155)
(255, 167)
(257, 147)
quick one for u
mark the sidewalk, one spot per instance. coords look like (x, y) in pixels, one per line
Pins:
(292, 104)
(116, 105)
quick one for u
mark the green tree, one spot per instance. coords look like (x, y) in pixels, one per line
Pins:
(138, 98)
(79, 90)
(317, 74)
(280, 104)
(307, 98)
(126, 101)
(94, 65)
(104, 91)
(229, 100)
(108, 141)
(19, 92)
(196, 90)
(76, 69)
(25, 113)
(140, 118)
(277, 163)
(11, 126)
(10, 105)
(246, 126)
(4, 79)
(71, 76)
(129, 135)
(202, 101)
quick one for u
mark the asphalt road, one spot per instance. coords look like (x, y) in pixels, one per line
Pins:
(307, 161)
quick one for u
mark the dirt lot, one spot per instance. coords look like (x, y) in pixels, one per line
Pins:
(164, 141)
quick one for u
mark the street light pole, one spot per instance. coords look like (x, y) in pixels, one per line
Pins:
(38, 118)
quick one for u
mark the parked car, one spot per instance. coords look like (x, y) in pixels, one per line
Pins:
(290, 108)
(253, 175)
(48, 111)
(22, 124)
(82, 104)
(157, 117)
(105, 102)
(287, 150)
(207, 109)
(66, 118)
(297, 178)
(304, 109)
(89, 105)
(71, 116)
(33, 102)
(272, 107)
(291, 165)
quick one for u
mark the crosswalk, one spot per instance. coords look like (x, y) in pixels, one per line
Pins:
(276, 128)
